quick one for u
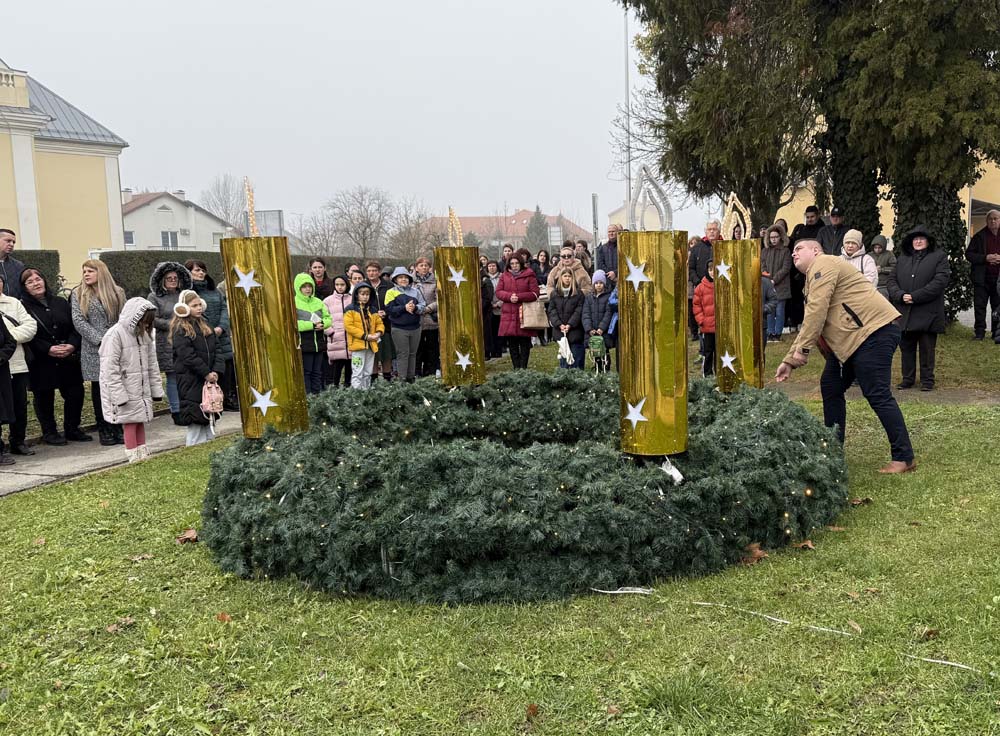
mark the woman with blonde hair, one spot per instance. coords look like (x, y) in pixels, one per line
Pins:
(95, 306)
(197, 360)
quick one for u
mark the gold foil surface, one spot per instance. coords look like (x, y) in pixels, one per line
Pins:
(652, 341)
(460, 316)
(739, 328)
(263, 320)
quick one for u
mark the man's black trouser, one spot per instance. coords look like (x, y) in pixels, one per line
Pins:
(871, 365)
(983, 296)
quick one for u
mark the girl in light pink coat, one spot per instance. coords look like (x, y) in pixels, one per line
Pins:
(336, 336)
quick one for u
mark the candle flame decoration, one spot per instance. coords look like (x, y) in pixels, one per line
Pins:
(455, 237)
(736, 212)
(251, 212)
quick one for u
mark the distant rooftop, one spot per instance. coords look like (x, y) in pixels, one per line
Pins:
(66, 122)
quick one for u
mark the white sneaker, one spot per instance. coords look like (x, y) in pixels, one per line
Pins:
(132, 455)
(437, 373)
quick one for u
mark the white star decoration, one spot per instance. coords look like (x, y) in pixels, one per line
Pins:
(635, 413)
(457, 277)
(246, 281)
(727, 361)
(463, 361)
(636, 274)
(263, 401)
(722, 268)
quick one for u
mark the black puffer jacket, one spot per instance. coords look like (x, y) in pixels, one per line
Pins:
(924, 275)
(566, 310)
(193, 359)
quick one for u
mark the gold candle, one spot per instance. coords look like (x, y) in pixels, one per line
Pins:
(652, 341)
(739, 338)
(262, 318)
(460, 316)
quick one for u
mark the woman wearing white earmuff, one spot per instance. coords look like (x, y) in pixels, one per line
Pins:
(197, 361)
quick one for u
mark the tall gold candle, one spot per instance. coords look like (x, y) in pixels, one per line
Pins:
(652, 341)
(460, 316)
(739, 329)
(262, 318)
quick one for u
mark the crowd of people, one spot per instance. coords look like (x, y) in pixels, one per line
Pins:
(381, 323)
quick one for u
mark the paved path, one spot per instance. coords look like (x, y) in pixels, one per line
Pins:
(53, 464)
(946, 396)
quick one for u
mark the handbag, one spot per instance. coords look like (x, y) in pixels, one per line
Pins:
(212, 400)
(533, 316)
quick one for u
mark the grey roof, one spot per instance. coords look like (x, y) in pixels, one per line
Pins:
(68, 123)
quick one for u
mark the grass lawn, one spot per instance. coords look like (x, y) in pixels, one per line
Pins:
(913, 572)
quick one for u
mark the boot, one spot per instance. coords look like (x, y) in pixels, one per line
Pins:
(132, 455)
(106, 436)
(143, 452)
(177, 419)
(118, 433)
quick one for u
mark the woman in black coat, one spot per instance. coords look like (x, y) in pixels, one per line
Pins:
(565, 310)
(7, 347)
(916, 287)
(55, 361)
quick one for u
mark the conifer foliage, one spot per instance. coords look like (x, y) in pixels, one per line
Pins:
(514, 491)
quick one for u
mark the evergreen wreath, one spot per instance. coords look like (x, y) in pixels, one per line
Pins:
(514, 490)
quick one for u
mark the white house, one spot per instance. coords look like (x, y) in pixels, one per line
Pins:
(168, 221)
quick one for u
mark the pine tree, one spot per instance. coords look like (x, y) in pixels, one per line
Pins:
(537, 236)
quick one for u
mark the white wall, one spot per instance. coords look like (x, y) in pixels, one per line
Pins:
(167, 213)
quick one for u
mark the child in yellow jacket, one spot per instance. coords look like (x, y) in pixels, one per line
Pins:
(364, 330)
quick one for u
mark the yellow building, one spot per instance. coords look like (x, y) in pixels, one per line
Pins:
(977, 200)
(59, 180)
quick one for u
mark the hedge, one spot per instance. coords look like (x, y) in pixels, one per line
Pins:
(131, 269)
(46, 261)
(514, 491)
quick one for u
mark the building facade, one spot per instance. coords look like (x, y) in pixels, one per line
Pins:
(59, 177)
(168, 221)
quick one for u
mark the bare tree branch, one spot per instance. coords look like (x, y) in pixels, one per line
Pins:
(363, 216)
(225, 199)
(319, 233)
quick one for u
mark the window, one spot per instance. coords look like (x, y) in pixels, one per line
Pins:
(217, 239)
(129, 239)
(168, 239)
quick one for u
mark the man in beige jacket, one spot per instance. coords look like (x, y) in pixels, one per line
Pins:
(854, 327)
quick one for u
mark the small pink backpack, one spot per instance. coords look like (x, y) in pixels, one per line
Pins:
(211, 399)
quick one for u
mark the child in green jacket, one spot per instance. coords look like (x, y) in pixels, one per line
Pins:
(313, 318)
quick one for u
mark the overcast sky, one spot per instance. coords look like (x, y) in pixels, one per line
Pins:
(482, 104)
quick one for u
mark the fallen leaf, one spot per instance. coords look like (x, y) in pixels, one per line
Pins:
(104, 504)
(123, 623)
(40, 542)
(140, 558)
(614, 710)
(224, 618)
(807, 544)
(58, 684)
(861, 501)
(188, 537)
(754, 554)
(836, 529)
(854, 625)
(915, 523)
(532, 712)
(852, 595)
(872, 591)
(927, 633)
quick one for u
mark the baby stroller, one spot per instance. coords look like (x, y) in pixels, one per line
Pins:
(599, 350)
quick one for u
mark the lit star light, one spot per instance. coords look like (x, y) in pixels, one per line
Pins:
(246, 281)
(635, 413)
(727, 361)
(457, 277)
(722, 268)
(636, 274)
(262, 401)
(463, 361)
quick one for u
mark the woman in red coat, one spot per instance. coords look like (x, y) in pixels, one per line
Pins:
(518, 284)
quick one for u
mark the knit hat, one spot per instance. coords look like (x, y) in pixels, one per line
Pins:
(600, 277)
(853, 236)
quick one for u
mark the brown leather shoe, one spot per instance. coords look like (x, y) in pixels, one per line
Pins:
(898, 466)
